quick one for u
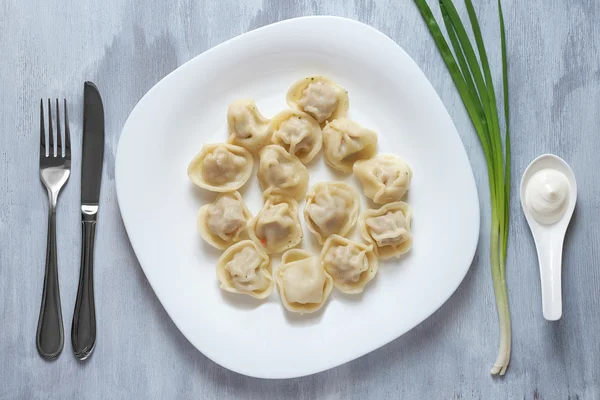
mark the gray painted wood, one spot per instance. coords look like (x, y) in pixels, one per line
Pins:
(125, 46)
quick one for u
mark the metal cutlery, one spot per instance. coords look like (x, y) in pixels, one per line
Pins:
(55, 169)
(83, 330)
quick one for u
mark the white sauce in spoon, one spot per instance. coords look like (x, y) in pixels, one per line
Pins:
(547, 195)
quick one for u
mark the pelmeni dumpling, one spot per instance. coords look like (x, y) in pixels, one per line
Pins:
(247, 126)
(331, 208)
(320, 97)
(385, 177)
(351, 264)
(276, 228)
(224, 222)
(388, 229)
(303, 284)
(245, 269)
(346, 142)
(281, 173)
(221, 167)
(298, 133)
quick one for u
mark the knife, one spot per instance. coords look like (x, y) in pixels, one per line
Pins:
(83, 330)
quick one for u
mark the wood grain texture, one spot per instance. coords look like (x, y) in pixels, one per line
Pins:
(126, 46)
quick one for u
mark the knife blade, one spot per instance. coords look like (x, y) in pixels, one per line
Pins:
(93, 145)
(83, 329)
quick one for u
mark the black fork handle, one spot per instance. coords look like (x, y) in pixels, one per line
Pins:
(50, 334)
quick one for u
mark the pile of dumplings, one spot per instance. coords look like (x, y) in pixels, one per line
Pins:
(283, 145)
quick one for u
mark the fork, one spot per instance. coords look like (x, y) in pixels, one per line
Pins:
(55, 168)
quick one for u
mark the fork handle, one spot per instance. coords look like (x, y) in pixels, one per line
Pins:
(83, 330)
(50, 334)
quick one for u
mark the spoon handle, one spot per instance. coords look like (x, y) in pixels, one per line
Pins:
(550, 260)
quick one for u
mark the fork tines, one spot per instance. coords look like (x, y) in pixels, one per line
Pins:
(52, 150)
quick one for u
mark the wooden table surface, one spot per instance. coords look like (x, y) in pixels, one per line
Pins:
(50, 48)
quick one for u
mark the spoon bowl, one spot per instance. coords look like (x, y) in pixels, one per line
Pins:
(549, 238)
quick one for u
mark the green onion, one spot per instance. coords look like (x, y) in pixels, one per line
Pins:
(473, 79)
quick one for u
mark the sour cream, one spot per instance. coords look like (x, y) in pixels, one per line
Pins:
(547, 195)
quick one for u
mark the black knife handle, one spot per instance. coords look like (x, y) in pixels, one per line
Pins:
(50, 335)
(83, 330)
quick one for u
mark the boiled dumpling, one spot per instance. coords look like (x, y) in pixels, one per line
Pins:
(320, 97)
(281, 173)
(247, 126)
(221, 167)
(351, 264)
(298, 133)
(388, 229)
(303, 284)
(245, 269)
(385, 177)
(224, 221)
(331, 208)
(346, 142)
(277, 228)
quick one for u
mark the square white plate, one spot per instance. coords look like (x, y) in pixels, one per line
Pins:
(389, 94)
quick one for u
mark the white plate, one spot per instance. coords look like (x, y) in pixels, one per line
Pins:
(388, 93)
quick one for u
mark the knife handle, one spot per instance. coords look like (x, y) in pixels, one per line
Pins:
(83, 330)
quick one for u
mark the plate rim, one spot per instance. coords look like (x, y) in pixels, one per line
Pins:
(243, 36)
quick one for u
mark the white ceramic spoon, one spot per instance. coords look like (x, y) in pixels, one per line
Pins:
(549, 237)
